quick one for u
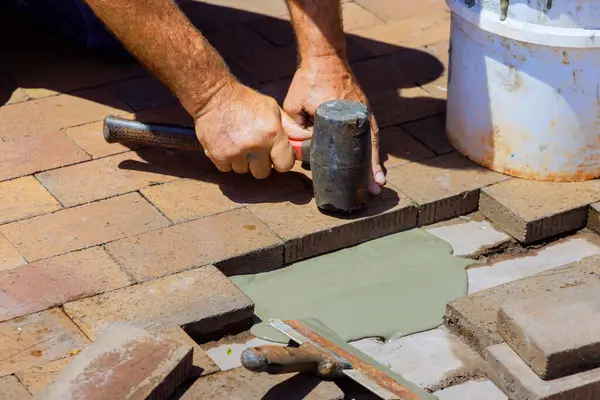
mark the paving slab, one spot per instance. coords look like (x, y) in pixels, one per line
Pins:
(37, 377)
(9, 256)
(531, 210)
(474, 317)
(472, 390)
(12, 389)
(202, 301)
(123, 363)
(24, 198)
(556, 333)
(510, 373)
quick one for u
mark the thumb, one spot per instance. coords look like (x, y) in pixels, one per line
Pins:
(292, 129)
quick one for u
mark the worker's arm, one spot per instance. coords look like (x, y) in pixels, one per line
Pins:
(324, 72)
(234, 123)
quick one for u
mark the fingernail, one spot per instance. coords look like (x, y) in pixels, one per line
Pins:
(374, 188)
(380, 177)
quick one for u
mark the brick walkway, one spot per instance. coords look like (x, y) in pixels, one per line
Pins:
(80, 218)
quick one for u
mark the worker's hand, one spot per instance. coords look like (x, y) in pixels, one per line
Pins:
(328, 78)
(245, 131)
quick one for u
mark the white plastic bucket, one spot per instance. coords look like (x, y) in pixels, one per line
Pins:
(524, 92)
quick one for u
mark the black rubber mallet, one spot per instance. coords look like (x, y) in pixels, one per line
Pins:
(339, 152)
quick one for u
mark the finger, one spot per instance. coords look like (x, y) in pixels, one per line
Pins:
(260, 167)
(293, 130)
(240, 165)
(377, 175)
(295, 111)
(222, 166)
(282, 154)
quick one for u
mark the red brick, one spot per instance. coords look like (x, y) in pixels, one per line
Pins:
(37, 339)
(356, 17)
(37, 377)
(12, 389)
(84, 72)
(397, 147)
(124, 362)
(269, 64)
(143, 93)
(24, 197)
(9, 256)
(84, 226)
(234, 240)
(391, 10)
(37, 153)
(432, 132)
(441, 51)
(408, 33)
(10, 92)
(57, 112)
(202, 364)
(90, 138)
(202, 301)
(277, 31)
(308, 232)
(172, 114)
(114, 175)
(437, 88)
(236, 40)
(393, 107)
(53, 282)
(444, 187)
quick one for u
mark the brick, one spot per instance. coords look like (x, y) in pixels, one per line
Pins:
(390, 10)
(472, 390)
(240, 383)
(114, 175)
(276, 89)
(235, 241)
(37, 377)
(90, 138)
(84, 226)
(555, 333)
(202, 364)
(508, 371)
(36, 153)
(123, 363)
(188, 199)
(532, 210)
(356, 17)
(57, 112)
(9, 256)
(396, 147)
(236, 40)
(277, 31)
(393, 107)
(53, 282)
(228, 355)
(431, 132)
(37, 339)
(12, 389)
(10, 92)
(170, 114)
(143, 93)
(24, 197)
(444, 187)
(84, 72)
(474, 317)
(437, 88)
(593, 221)
(201, 301)
(314, 233)
(409, 33)
(254, 63)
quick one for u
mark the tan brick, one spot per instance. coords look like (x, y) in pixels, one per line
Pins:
(143, 93)
(36, 153)
(84, 226)
(396, 106)
(10, 92)
(356, 17)
(391, 10)
(593, 221)
(24, 197)
(431, 132)
(37, 339)
(405, 34)
(201, 301)
(441, 51)
(124, 362)
(57, 112)
(308, 232)
(84, 72)
(114, 175)
(396, 147)
(9, 256)
(236, 40)
(91, 139)
(214, 14)
(235, 241)
(202, 364)
(533, 210)
(55, 281)
(444, 187)
(12, 389)
(37, 377)
(438, 88)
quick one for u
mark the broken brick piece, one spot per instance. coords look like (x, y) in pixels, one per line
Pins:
(202, 301)
(12, 389)
(123, 363)
(556, 333)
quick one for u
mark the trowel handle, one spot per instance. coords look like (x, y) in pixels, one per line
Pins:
(283, 360)
(120, 130)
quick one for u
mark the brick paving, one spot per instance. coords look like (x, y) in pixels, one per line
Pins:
(99, 226)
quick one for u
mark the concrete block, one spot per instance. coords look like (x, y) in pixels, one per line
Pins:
(510, 373)
(12, 389)
(472, 390)
(474, 317)
(532, 210)
(556, 333)
(123, 363)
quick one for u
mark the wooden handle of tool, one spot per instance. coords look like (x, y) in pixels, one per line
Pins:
(283, 360)
(120, 130)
